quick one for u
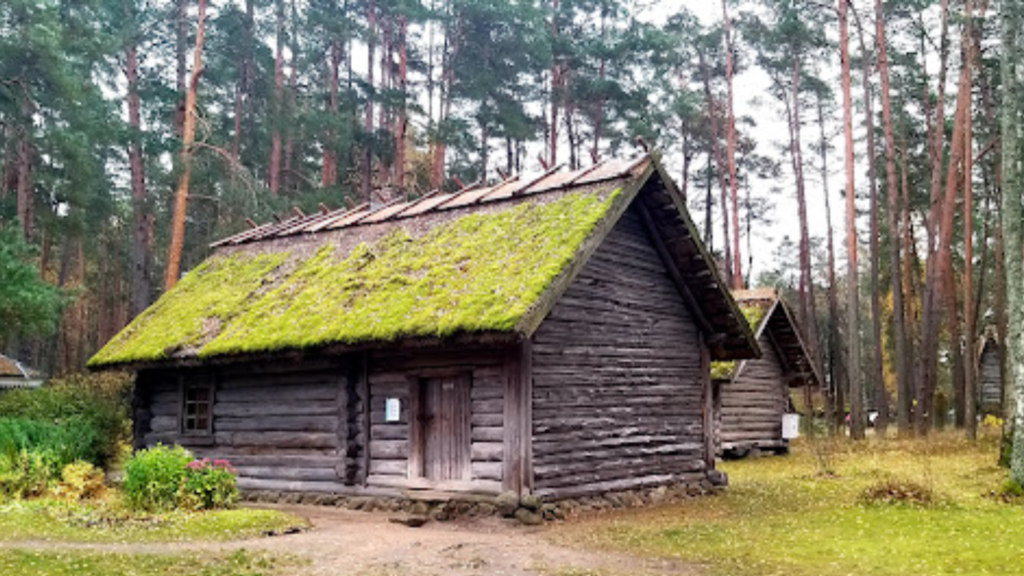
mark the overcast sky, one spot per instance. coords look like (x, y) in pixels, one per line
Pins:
(752, 99)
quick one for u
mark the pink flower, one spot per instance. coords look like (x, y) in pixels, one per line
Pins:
(221, 464)
(195, 465)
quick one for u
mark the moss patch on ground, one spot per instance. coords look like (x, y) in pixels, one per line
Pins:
(102, 522)
(783, 516)
(480, 272)
(754, 313)
(79, 563)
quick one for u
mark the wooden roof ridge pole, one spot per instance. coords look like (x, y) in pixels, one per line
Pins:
(188, 138)
(526, 186)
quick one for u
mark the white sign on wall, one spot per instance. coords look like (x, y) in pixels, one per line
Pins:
(790, 426)
(392, 410)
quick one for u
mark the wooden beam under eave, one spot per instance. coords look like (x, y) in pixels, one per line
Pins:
(673, 270)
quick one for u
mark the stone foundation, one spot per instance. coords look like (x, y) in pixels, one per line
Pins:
(529, 510)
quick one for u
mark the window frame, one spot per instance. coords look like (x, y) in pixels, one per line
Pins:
(188, 382)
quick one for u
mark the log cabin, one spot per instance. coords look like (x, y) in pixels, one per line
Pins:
(14, 374)
(990, 380)
(751, 396)
(547, 335)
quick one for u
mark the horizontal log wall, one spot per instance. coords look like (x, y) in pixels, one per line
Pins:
(284, 427)
(393, 374)
(990, 384)
(754, 401)
(617, 381)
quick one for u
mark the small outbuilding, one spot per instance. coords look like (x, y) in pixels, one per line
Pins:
(550, 334)
(752, 397)
(14, 374)
(990, 376)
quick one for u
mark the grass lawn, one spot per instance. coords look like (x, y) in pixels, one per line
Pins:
(107, 522)
(782, 516)
(240, 563)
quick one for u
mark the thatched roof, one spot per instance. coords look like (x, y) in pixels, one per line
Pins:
(486, 262)
(766, 310)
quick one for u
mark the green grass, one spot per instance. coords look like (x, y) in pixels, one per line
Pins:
(22, 521)
(783, 516)
(239, 563)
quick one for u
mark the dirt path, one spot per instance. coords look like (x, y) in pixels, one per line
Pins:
(346, 543)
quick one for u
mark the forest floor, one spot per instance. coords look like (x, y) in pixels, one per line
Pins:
(921, 507)
(900, 507)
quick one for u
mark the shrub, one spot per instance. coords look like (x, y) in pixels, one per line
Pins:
(24, 474)
(153, 478)
(209, 485)
(57, 444)
(161, 478)
(897, 491)
(99, 402)
(80, 480)
(1006, 446)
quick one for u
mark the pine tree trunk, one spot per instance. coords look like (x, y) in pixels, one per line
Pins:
(274, 163)
(877, 362)
(857, 415)
(808, 312)
(712, 111)
(737, 260)
(1013, 219)
(329, 170)
(25, 197)
(943, 273)
(287, 177)
(142, 246)
(400, 126)
(180, 54)
(188, 139)
(900, 357)
(970, 361)
(836, 364)
(556, 90)
(930, 321)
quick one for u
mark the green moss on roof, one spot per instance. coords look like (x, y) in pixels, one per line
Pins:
(754, 313)
(199, 304)
(480, 272)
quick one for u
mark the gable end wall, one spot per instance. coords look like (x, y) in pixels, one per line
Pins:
(617, 378)
(753, 403)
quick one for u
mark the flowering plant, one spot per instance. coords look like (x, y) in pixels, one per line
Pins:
(209, 485)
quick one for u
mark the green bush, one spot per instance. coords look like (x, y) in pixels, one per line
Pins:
(153, 477)
(161, 478)
(79, 480)
(24, 474)
(209, 485)
(56, 443)
(98, 402)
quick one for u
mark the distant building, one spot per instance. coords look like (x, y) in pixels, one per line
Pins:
(990, 376)
(753, 396)
(14, 375)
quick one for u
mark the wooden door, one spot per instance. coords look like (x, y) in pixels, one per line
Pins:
(445, 427)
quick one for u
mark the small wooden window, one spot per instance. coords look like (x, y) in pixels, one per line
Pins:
(197, 405)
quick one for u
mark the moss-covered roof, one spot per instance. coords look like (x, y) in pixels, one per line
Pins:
(754, 312)
(471, 272)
